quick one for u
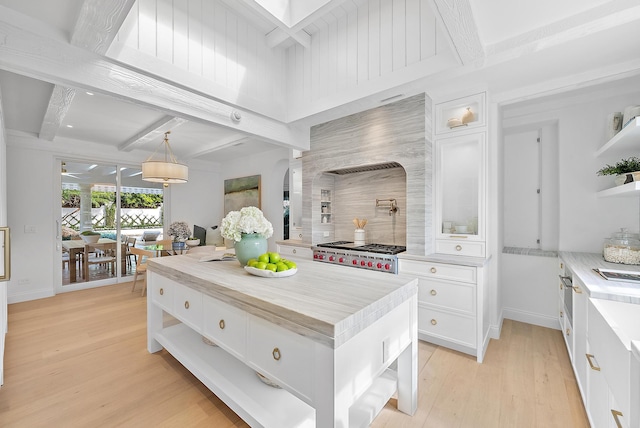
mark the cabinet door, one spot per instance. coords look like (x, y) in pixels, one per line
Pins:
(460, 187)
(580, 303)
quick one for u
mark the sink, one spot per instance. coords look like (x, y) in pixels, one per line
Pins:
(624, 319)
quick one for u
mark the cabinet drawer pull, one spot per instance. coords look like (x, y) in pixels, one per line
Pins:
(590, 361)
(221, 324)
(577, 289)
(561, 314)
(186, 304)
(434, 321)
(294, 251)
(458, 247)
(434, 292)
(276, 354)
(568, 331)
(433, 270)
(162, 291)
(616, 416)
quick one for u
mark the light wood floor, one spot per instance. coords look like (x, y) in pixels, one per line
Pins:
(79, 360)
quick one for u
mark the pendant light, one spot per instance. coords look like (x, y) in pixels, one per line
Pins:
(167, 171)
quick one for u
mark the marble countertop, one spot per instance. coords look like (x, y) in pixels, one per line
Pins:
(635, 348)
(582, 265)
(329, 304)
(294, 243)
(446, 258)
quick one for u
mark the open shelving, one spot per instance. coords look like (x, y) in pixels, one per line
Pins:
(624, 142)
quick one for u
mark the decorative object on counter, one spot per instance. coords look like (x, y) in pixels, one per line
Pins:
(614, 124)
(626, 170)
(90, 237)
(250, 230)
(359, 233)
(271, 265)
(179, 231)
(192, 242)
(623, 247)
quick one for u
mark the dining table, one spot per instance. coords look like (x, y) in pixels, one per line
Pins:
(78, 246)
(168, 249)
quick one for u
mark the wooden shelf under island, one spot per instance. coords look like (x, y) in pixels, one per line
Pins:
(326, 335)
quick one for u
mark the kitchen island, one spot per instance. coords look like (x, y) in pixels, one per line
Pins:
(326, 336)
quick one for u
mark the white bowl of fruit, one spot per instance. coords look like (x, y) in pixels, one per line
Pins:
(271, 265)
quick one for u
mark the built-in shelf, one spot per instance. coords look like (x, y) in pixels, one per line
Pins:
(629, 189)
(325, 206)
(625, 142)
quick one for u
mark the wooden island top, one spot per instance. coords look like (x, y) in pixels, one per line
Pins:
(329, 304)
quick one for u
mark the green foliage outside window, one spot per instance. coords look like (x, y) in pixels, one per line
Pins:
(71, 199)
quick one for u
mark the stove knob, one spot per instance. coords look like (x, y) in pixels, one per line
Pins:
(321, 256)
(315, 256)
(387, 266)
(370, 264)
(379, 265)
(355, 262)
(331, 258)
(362, 263)
(341, 259)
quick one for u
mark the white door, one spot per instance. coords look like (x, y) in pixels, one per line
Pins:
(5, 268)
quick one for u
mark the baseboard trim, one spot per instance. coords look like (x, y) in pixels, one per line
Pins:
(530, 318)
(31, 295)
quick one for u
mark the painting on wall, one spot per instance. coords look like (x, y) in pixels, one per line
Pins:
(241, 192)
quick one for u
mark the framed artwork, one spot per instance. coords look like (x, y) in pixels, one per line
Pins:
(241, 192)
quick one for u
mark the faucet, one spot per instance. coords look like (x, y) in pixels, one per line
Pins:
(391, 203)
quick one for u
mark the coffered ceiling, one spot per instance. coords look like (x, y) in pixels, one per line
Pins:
(517, 49)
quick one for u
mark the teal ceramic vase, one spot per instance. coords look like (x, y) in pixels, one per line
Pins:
(250, 246)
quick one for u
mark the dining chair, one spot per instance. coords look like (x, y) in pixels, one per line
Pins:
(167, 244)
(129, 243)
(100, 256)
(141, 266)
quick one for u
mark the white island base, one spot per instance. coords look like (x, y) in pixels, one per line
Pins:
(322, 385)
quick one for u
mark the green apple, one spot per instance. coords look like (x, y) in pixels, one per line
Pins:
(251, 262)
(271, 267)
(274, 257)
(281, 267)
(264, 258)
(260, 265)
(290, 264)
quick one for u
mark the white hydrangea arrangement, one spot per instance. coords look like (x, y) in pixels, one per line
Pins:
(179, 230)
(247, 220)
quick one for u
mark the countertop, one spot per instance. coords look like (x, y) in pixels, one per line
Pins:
(294, 243)
(327, 303)
(582, 265)
(446, 258)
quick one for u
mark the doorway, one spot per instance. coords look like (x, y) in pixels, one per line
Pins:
(105, 211)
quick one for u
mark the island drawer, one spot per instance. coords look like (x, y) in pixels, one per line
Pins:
(187, 305)
(281, 355)
(461, 248)
(438, 270)
(225, 325)
(451, 295)
(289, 251)
(452, 327)
(161, 292)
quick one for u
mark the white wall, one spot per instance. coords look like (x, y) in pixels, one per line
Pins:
(528, 283)
(33, 186)
(271, 166)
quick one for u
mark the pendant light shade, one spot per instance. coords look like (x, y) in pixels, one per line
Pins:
(167, 171)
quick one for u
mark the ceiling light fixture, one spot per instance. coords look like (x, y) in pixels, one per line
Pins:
(167, 171)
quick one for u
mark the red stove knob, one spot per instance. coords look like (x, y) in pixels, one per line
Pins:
(331, 258)
(341, 259)
(355, 262)
(387, 266)
(362, 263)
(379, 265)
(315, 256)
(321, 256)
(370, 264)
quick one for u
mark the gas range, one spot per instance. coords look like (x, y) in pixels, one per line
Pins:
(377, 257)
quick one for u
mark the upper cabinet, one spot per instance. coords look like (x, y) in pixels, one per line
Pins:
(460, 156)
(625, 143)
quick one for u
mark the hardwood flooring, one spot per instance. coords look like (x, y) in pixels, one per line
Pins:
(79, 360)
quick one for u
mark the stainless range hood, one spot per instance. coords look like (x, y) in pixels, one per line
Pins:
(364, 168)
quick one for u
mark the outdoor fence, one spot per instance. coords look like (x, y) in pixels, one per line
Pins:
(130, 218)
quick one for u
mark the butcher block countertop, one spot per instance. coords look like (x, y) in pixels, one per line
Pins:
(329, 304)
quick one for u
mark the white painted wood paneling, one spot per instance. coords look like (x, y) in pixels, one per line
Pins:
(361, 42)
(207, 39)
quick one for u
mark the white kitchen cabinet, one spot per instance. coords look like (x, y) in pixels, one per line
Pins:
(580, 304)
(460, 189)
(450, 305)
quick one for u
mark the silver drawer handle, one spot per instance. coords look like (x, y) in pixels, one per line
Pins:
(221, 324)
(162, 291)
(458, 247)
(186, 304)
(276, 354)
(433, 270)
(434, 322)
(434, 292)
